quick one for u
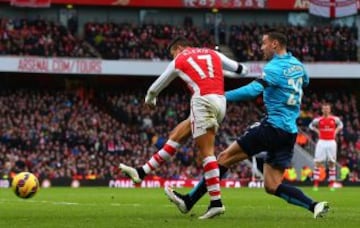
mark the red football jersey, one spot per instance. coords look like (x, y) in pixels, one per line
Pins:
(201, 69)
(327, 126)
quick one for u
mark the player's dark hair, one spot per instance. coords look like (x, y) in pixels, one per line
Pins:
(326, 104)
(178, 41)
(276, 35)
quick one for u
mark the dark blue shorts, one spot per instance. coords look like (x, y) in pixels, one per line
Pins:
(278, 143)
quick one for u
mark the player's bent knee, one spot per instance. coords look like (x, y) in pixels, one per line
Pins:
(221, 157)
(224, 159)
(270, 189)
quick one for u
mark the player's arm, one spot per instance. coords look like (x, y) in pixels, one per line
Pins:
(339, 125)
(161, 82)
(232, 69)
(256, 87)
(314, 125)
(306, 79)
(251, 90)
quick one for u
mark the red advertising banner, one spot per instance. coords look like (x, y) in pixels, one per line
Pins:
(288, 5)
(127, 3)
(189, 183)
(220, 4)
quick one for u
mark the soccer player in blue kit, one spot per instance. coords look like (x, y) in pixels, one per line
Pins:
(281, 84)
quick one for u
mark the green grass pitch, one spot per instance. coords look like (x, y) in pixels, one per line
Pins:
(110, 207)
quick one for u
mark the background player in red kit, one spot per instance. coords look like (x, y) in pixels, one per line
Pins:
(202, 70)
(326, 126)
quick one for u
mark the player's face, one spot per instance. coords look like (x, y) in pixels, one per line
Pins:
(268, 47)
(326, 109)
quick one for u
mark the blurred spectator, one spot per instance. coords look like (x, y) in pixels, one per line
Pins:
(301, 139)
(72, 24)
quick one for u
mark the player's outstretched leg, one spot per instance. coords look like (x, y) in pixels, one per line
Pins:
(181, 201)
(213, 211)
(164, 154)
(296, 197)
(131, 172)
(193, 196)
(185, 202)
(212, 179)
(321, 209)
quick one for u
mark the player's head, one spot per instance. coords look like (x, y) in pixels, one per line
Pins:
(326, 109)
(178, 45)
(273, 42)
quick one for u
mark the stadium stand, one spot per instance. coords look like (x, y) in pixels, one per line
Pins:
(40, 37)
(147, 41)
(61, 134)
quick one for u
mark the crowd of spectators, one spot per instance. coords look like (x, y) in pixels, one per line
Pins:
(56, 134)
(146, 41)
(40, 37)
(344, 105)
(309, 43)
(78, 135)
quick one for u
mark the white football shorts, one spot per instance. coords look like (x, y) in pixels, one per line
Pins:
(325, 151)
(207, 111)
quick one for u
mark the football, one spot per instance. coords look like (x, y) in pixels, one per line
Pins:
(25, 185)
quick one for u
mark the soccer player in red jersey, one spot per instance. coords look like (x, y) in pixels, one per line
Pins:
(327, 127)
(202, 70)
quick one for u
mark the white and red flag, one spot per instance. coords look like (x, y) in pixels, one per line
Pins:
(333, 8)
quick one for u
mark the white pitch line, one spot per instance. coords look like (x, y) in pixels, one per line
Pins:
(125, 205)
(64, 203)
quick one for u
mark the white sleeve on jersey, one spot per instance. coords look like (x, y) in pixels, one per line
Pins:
(161, 82)
(313, 125)
(339, 123)
(230, 67)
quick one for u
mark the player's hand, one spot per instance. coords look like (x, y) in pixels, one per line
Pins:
(317, 132)
(245, 69)
(150, 101)
(239, 74)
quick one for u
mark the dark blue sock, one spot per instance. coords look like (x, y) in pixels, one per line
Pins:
(200, 189)
(295, 196)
